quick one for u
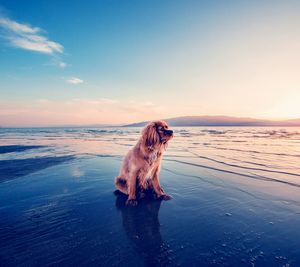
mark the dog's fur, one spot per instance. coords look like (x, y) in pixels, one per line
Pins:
(141, 165)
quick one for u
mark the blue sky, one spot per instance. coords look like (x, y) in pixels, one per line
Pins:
(121, 61)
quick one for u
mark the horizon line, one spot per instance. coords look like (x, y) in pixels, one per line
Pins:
(272, 120)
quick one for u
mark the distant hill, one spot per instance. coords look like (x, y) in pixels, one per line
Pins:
(296, 122)
(220, 121)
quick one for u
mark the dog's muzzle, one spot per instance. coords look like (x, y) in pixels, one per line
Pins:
(168, 132)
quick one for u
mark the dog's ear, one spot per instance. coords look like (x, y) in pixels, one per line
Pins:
(150, 135)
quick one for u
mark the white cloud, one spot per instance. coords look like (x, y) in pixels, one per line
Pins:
(17, 27)
(62, 64)
(27, 37)
(74, 80)
(56, 61)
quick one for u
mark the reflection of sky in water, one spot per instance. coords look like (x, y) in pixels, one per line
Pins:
(236, 199)
(267, 152)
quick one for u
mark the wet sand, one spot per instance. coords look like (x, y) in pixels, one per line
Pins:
(236, 199)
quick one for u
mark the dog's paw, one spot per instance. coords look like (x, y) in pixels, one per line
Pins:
(131, 202)
(142, 195)
(165, 197)
(143, 186)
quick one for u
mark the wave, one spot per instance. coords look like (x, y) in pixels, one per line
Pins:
(214, 132)
(244, 167)
(17, 148)
(257, 177)
(253, 151)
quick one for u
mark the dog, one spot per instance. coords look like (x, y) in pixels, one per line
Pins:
(141, 166)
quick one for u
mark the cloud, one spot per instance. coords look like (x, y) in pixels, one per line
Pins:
(62, 64)
(56, 61)
(74, 80)
(17, 27)
(27, 37)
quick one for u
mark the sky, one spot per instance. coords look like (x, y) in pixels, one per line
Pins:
(114, 62)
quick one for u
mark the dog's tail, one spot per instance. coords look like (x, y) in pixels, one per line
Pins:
(121, 185)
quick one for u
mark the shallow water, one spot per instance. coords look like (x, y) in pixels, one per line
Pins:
(236, 199)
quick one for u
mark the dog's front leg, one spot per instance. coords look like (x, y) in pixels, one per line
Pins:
(160, 193)
(132, 190)
(143, 184)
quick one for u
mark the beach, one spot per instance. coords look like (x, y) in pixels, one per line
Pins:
(236, 199)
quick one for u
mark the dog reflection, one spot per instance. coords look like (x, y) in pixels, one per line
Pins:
(142, 228)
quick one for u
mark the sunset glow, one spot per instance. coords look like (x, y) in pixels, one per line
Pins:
(97, 64)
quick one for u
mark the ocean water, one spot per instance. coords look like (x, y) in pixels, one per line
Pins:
(236, 199)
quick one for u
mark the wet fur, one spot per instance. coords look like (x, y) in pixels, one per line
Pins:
(141, 166)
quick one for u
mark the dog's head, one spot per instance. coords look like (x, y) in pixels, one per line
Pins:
(156, 133)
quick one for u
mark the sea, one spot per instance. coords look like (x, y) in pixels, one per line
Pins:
(235, 199)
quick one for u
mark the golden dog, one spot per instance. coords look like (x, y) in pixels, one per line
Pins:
(141, 165)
